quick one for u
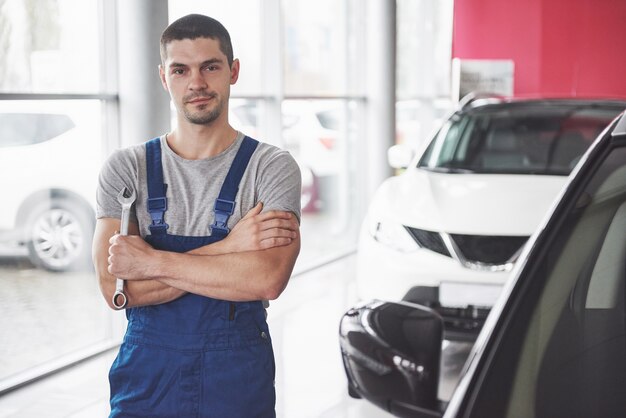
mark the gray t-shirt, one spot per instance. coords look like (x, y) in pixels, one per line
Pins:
(272, 177)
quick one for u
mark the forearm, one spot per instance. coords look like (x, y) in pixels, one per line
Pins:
(139, 293)
(255, 231)
(216, 248)
(254, 275)
(253, 263)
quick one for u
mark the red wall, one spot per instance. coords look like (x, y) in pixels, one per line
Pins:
(560, 47)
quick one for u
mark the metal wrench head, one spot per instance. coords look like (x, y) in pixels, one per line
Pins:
(126, 203)
(126, 197)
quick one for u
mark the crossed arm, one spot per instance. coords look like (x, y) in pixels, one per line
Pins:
(253, 262)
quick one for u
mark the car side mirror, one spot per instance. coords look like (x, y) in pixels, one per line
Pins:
(391, 353)
(400, 156)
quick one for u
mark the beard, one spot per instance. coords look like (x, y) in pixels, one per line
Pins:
(204, 115)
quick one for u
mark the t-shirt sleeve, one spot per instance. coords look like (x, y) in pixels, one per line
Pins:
(118, 171)
(280, 184)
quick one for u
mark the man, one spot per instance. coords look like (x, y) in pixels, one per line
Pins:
(197, 343)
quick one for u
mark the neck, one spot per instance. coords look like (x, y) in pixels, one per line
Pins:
(197, 142)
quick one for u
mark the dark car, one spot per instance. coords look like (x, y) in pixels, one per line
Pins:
(554, 344)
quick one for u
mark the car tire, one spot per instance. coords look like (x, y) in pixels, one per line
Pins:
(59, 237)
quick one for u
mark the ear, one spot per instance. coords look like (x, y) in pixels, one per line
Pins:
(234, 71)
(162, 77)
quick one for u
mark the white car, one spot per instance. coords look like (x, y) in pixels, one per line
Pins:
(553, 346)
(311, 130)
(448, 230)
(48, 174)
(311, 133)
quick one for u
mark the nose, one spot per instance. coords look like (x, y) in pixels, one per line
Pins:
(197, 82)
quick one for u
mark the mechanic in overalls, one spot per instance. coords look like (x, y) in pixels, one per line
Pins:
(214, 233)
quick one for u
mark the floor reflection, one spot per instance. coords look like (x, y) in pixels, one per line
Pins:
(310, 380)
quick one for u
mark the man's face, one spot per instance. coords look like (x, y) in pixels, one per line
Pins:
(198, 78)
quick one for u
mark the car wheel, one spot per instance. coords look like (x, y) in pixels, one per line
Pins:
(60, 234)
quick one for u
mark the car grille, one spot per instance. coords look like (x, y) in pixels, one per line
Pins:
(488, 249)
(428, 239)
(471, 249)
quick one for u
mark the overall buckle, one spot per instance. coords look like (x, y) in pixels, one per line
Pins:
(157, 207)
(222, 209)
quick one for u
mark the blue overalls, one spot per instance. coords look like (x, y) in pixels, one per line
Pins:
(195, 356)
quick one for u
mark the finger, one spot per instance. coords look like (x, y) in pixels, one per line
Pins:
(254, 211)
(277, 233)
(275, 214)
(110, 265)
(290, 225)
(275, 242)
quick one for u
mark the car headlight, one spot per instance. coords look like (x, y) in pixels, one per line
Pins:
(392, 234)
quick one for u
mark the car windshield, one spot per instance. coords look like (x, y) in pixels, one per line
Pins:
(521, 140)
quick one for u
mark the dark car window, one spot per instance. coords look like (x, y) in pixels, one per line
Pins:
(563, 352)
(531, 140)
(329, 119)
(247, 114)
(17, 129)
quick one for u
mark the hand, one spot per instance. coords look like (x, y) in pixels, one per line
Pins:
(260, 231)
(129, 257)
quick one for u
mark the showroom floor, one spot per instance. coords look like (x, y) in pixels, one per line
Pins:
(310, 380)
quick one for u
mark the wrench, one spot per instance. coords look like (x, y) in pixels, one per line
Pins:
(119, 297)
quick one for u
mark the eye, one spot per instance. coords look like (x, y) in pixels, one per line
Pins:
(178, 71)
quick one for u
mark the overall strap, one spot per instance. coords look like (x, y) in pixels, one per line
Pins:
(157, 202)
(225, 202)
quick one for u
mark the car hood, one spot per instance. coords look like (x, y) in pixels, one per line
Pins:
(476, 204)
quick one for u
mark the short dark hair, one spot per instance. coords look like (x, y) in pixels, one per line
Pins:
(197, 26)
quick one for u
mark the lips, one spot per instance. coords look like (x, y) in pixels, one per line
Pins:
(199, 100)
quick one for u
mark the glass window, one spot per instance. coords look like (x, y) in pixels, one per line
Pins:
(306, 52)
(564, 352)
(252, 117)
(315, 47)
(423, 51)
(424, 48)
(49, 46)
(244, 116)
(52, 309)
(320, 134)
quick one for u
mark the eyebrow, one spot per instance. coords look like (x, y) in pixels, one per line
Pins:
(202, 64)
(212, 61)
